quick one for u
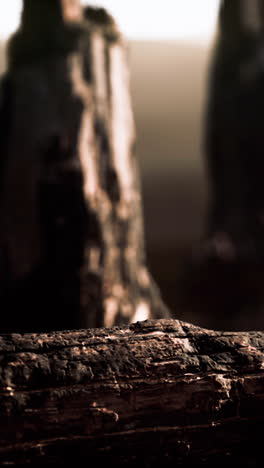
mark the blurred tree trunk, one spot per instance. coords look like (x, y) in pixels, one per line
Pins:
(72, 242)
(226, 272)
(234, 133)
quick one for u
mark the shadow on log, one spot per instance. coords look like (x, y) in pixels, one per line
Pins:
(157, 393)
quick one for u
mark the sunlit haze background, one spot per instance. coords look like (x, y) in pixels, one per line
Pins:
(170, 43)
(166, 19)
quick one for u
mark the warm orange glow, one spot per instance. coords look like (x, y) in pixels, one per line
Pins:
(72, 10)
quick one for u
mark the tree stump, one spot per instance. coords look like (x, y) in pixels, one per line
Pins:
(71, 239)
(157, 393)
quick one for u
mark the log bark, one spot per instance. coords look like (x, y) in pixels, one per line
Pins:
(71, 239)
(156, 393)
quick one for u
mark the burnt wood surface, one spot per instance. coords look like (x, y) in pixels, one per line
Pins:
(156, 393)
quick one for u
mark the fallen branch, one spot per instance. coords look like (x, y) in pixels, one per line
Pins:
(155, 393)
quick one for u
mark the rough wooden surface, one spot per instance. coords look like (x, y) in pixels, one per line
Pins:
(156, 393)
(71, 233)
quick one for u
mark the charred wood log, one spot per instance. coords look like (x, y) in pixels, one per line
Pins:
(71, 238)
(157, 393)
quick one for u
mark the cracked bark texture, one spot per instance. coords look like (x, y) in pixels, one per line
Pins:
(156, 393)
(71, 240)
